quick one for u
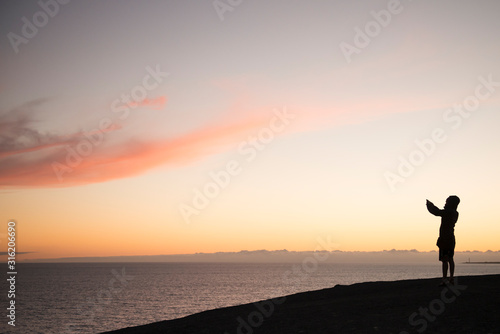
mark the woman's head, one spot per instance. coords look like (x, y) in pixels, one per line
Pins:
(452, 202)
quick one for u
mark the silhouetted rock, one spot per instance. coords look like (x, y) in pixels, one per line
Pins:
(410, 306)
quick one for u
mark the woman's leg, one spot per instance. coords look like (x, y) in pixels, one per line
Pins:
(452, 268)
(445, 267)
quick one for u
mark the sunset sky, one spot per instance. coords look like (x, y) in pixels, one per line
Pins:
(176, 127)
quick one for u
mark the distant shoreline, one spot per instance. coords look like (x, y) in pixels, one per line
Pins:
(283, 256)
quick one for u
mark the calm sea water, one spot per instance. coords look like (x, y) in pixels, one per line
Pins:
(97, 297)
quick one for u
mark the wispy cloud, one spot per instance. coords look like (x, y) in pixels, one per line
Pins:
(156, 103)
(30, 158)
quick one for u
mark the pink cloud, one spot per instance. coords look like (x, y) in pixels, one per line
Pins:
(84, 158)
(47, 160)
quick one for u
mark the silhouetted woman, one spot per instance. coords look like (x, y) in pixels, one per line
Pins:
(446, 241)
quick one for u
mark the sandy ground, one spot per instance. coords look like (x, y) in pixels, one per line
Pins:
(471, 305)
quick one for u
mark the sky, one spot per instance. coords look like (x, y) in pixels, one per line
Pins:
(177, 127)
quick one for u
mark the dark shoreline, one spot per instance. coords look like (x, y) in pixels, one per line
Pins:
(409, 306)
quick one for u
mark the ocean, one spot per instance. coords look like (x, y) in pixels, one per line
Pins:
(97, 297)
